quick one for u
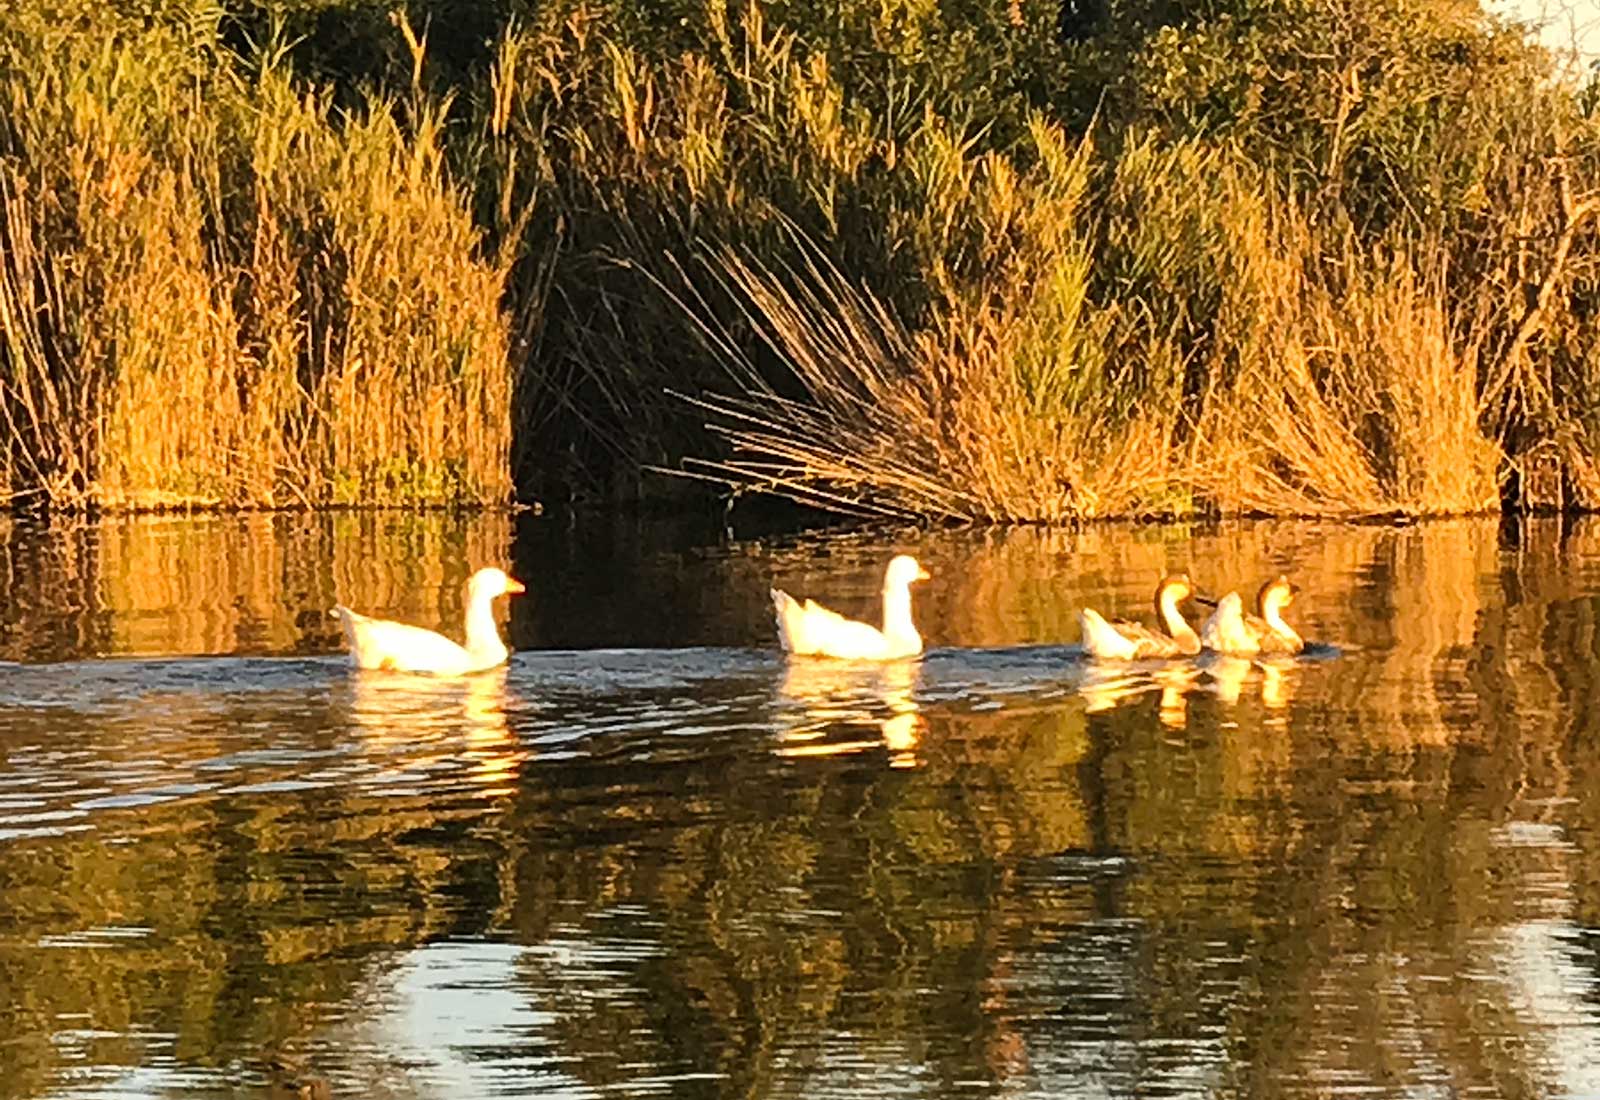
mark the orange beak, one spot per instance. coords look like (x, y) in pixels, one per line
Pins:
(513, 586)
(923, 574)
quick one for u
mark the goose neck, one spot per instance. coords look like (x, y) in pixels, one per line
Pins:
(483, 633)
(1171, 617)
(897, 611)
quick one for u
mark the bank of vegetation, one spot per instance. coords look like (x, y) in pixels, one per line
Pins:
(970, 259)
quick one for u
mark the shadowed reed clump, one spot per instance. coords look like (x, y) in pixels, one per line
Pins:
(217, 290)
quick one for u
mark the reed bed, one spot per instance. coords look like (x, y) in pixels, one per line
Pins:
(991, 268)
(218, 291)
(876, 303)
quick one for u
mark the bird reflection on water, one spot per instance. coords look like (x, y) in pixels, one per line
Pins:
(830, 708)
(1371, 876)
(825, 707)
(430, 723)
(1104, 687)
(1229, 676)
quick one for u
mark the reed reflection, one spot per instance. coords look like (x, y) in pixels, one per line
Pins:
(826, 706)
(1379, 874)
(251, 583)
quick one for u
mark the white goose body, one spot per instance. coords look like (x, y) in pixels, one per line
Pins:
(1229, 630)
(380, 643)
(1126, 641)
(1224, 631)
(809, 629)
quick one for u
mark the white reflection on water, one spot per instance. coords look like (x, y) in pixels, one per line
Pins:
(1553, 991)
(1229, 676)
(1552, 988)
(1105, 685)
(454, 1021)
(463, 1018)
(430, 723)
(826, 705)
(162, 1076)
(1109, 685)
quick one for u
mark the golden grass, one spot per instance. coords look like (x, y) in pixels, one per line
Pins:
(997, 410)
(1010, 405)
(1359, 402)
(912, 315)
(218, 294)
(883, 298)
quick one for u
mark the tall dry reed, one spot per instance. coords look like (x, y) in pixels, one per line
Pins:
(919, 307)
(910, 267)
(1012, 405)
(219, 291)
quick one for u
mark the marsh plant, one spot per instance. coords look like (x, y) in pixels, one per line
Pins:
(1011, 260)
(218, 290)
(1244, 264)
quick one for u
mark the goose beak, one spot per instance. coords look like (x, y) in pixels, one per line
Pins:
(923, 574)
(513, 586)
(1208, 601)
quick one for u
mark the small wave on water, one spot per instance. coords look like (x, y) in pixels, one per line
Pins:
(87, 739)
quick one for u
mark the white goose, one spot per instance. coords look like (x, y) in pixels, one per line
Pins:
(1229, 630)
(379, 643)
(1125, 641)
(1224, 630)
(811, 629)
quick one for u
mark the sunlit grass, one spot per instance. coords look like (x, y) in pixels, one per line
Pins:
(868, 281)
(217, 291)
(898, 314)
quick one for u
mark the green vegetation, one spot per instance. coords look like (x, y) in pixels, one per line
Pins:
(978, 259)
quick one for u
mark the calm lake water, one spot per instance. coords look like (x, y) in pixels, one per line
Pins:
(650, 858)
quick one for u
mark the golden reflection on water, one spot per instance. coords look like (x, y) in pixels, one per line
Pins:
(436, 720)
(1272, 678)
(1377, 872)
(250, 583)
(1105, 685)
(1108, 684)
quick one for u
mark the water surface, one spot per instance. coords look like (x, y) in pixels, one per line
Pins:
(652, 858)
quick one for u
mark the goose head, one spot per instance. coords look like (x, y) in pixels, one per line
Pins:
(903, 571)
(1274, 596)
(1177, 586)
(1168, 595)
(487, 584)
(1172, 591)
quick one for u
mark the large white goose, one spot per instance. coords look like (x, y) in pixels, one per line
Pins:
(1229, 630)
(809, 629)
(1125, 641)
(379, 643)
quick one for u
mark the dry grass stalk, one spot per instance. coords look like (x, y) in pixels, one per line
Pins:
(1007, 408)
